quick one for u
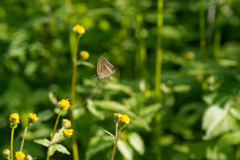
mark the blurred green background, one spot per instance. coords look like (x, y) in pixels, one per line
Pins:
(197, 115)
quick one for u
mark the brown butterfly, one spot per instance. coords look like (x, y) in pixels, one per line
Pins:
(104, 68)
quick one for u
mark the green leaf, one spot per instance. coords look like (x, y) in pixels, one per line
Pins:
(137, 143)
(228, 139)
(45, 115)
(94, 111)
(147, 113)
(52, 149)
(62, 149)
(125, 149)
(119, 87)
(217, 121)
(218, 99)
(228, 63)
(235, 112)
(109, 133)
(111, 105)
(181, 88)
(43, 142)
(97, 144)
(87, 64)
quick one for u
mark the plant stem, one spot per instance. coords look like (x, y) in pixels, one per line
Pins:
(217, 35)
(159, 50)
(12, 133)
(55, 127)
(238, 152)
(73, 86)
(116, 139)
(54, 130)
(202, 29)
(158, 77)
(60, 140)
(25, 131)
(56, 137)
(158, 136)
(141, 55)
(68, 5)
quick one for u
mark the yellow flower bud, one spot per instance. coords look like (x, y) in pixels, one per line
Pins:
(14, 120)
(64, 104)
(67, 132)
(66, 123)
(84, 55)
(124, 119)
(19, 155)
(32, 118)
(6, 153)
(79, 29)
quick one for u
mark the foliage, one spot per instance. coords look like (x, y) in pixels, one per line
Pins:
(199, 103)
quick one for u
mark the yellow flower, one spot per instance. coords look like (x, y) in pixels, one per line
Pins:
(19, 155)
(32, 117)
(14, 120)
(68, 132)
(79, 29)
(117, 115)
(190, 55)
(64, 104)
(14, 116)
(124, 119)
(66, 123)
(84, 54)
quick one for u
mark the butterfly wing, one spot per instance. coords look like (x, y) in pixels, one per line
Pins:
(104, 68)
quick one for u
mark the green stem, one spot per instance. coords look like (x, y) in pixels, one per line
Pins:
(68, 5)
(25, 131)
(158, 76)
(60, 140)
(74, 75)
(56, 137)
(54, 130)
(238, 152)
(141, 55)
(159, 50)
(202, 29)
(12, 142)
(217, 35)
(55, 127)
(158, 136)
(116, 139)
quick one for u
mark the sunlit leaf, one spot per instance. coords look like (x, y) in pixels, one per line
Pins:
(217, 121)
(87, 64)
(43, 142)
(110, 105)
(109, 133)
(62, 149)
(149, 112)
(228, 140)
(45, 115)
(97, 144)
(52, 149)
(181, 88)
(235, 112)
(125, 149)
(137, 142)
(119, 87)
(92, 108)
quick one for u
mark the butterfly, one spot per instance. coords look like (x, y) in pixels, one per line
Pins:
(104, 68)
